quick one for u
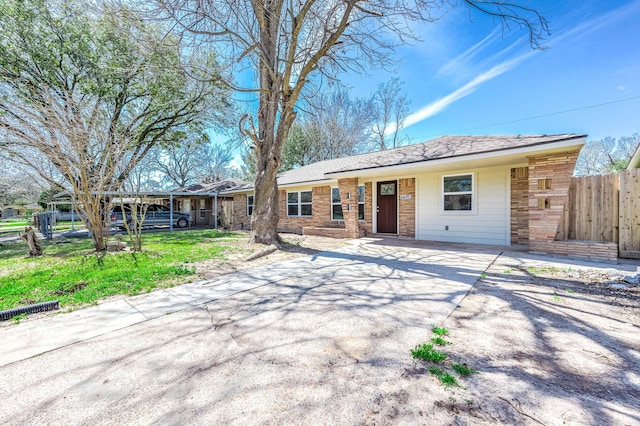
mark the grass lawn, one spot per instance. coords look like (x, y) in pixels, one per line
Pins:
(74, 274)
(16, 225)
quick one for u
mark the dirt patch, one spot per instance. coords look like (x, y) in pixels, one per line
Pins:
(239, 249)
(70, 290)
(554, 344)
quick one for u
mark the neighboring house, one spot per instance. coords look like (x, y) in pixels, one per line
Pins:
(500, 190)
(201, 200)
(33, 207)
(634, 161)
(13, 211)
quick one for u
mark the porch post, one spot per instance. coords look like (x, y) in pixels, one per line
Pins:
(73, 213)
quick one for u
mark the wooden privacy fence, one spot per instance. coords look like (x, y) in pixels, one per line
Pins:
(604, 208)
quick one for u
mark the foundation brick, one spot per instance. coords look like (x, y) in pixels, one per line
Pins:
(549, 180)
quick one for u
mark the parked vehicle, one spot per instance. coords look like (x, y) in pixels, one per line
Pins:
(154, 215)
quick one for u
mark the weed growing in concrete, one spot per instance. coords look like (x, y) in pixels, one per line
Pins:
(436, 371)
(445, 378)
(463, 369)
(440, 331)
(427, 353)
(439, 341)
(448, 380)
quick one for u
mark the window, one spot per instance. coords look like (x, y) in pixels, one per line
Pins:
(249, 205)
(361, 202)
(203, 214)
(299, 203)
(457, 192)
(388, 189)
(336, 206)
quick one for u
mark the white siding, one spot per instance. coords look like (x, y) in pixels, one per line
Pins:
(488, 224)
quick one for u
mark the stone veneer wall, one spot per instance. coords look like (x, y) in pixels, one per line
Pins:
(520, 205)
(407, 207)
(549, 180)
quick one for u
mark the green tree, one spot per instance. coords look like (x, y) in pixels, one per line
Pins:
(608, 155)
(289, 43)
(48, 195)
(85, 94)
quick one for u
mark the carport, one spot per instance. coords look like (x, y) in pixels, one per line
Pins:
(148, 195)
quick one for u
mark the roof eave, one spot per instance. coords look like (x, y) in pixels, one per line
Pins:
(634, 162)
(281, 186)
(575, 142)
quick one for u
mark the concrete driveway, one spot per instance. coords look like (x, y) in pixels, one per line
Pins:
(315, 340)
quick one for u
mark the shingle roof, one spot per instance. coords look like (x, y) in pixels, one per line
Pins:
(316, 171)
(436, 149)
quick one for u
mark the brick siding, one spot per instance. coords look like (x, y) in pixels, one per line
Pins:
(520, 206)
(349, 199)
(407, 207)
(321, 210)
(549, 180)
(240, 220)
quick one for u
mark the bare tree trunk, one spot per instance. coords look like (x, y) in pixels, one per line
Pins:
(34, 245)
(267, 145)
(264, 220)
(265, 230)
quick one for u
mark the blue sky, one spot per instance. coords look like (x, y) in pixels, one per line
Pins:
(474, 78)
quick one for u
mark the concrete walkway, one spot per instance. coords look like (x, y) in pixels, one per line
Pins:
(315, 339)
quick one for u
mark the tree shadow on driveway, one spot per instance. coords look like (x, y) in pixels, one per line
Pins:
(319, 341)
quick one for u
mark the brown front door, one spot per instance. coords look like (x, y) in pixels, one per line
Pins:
(388, 207)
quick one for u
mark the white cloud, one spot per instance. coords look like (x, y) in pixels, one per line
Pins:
(589, 26)
(461, 59)
(237, 161)
(442, 103)
(580, 30)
